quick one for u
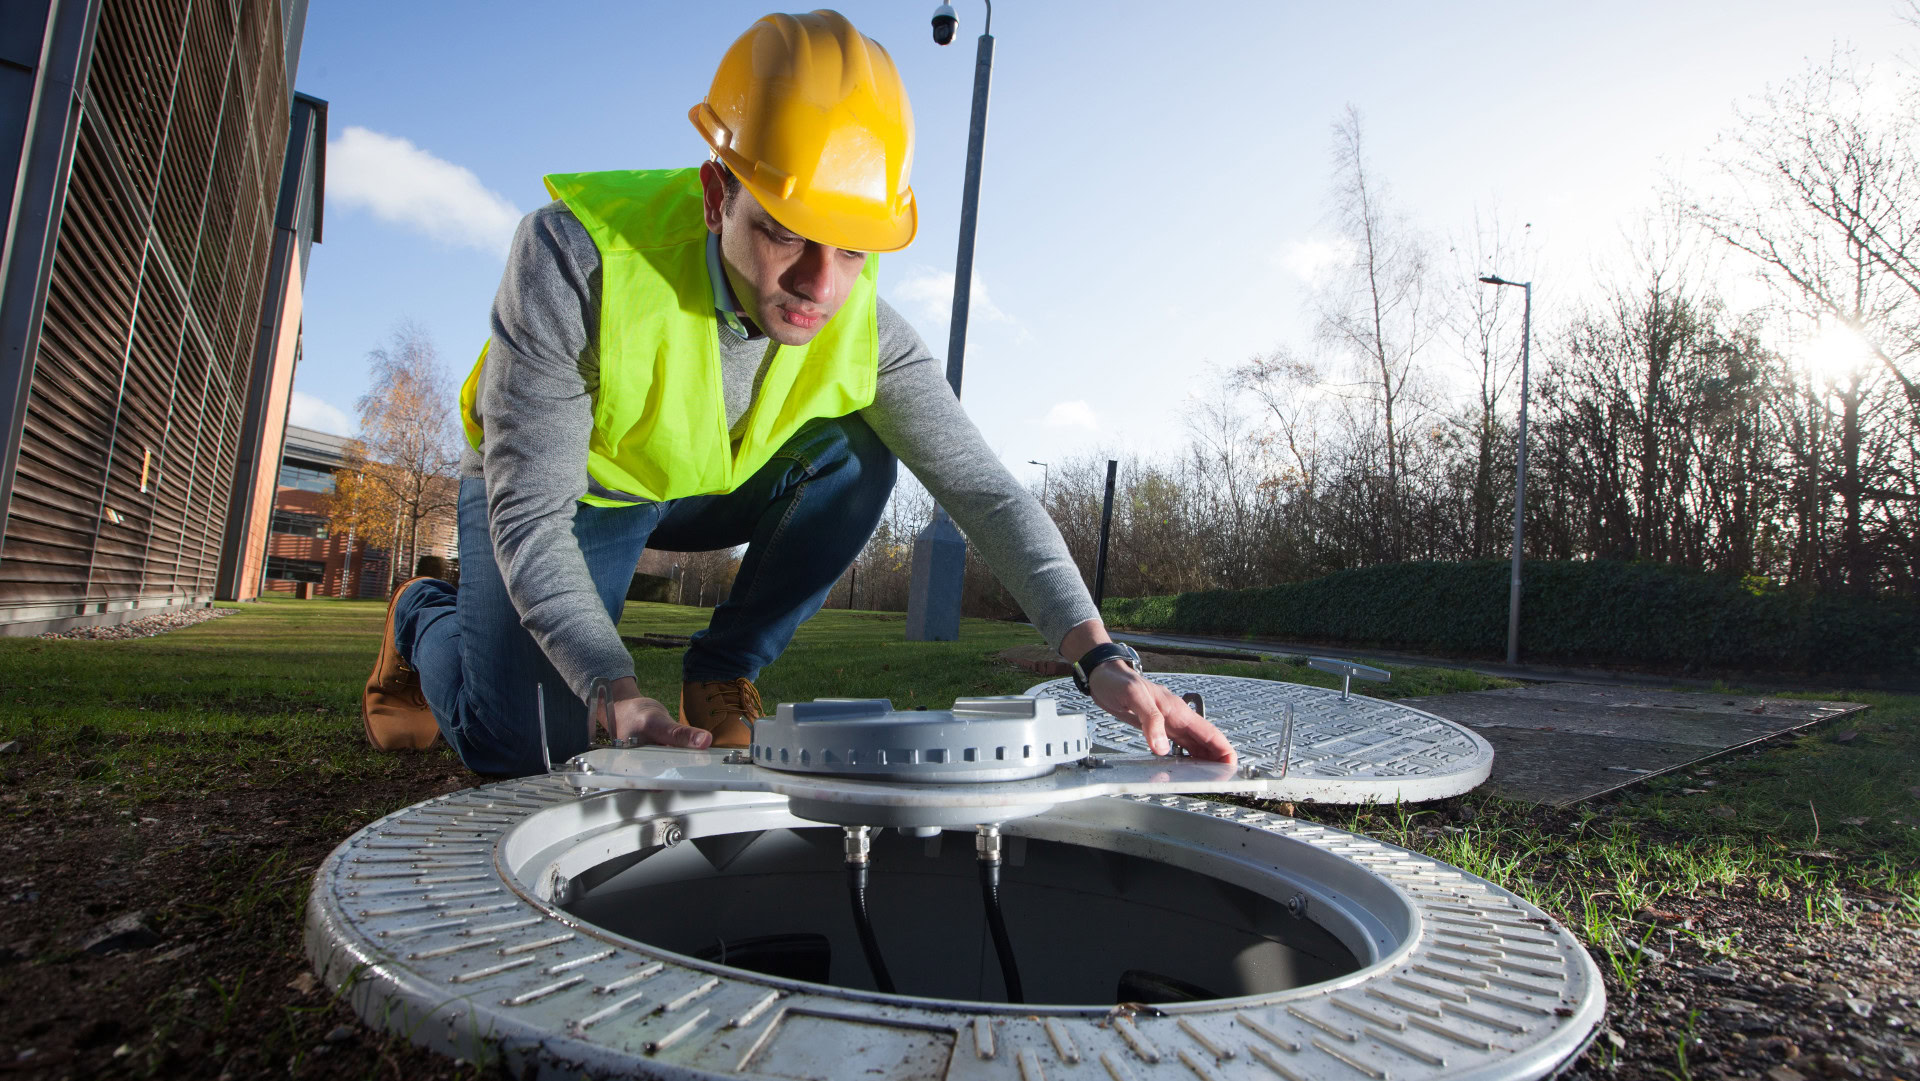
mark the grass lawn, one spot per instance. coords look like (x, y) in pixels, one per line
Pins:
(197, 778)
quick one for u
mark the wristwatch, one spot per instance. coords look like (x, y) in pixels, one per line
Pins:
(1099, 655)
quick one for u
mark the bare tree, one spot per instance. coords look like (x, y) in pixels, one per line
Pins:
(1286, 387)
(1827, 202)
(1229, 461)
(1377, 312)
(1825, 172)
(707, 577)
(884, 566)
(1484, 323)
(408, 454)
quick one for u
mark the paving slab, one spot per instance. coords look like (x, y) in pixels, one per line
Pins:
(1560, 743)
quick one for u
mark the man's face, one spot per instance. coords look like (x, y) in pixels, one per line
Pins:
(787, 284)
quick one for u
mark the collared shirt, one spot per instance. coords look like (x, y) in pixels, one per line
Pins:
(725, 304)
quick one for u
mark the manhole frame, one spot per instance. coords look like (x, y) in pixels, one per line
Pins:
(394, 910)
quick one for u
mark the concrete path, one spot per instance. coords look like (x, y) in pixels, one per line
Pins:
(1560, 743)
(1581, 732)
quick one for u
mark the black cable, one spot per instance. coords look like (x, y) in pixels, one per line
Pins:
(997, 925)
(857, 891)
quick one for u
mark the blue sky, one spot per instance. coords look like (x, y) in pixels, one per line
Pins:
(1156, 175)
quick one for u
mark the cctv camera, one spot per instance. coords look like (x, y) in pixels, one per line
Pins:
(945, 22)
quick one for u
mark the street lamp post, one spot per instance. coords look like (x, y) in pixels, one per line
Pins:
(1519, 471)
(939, 552)
(1045, 471)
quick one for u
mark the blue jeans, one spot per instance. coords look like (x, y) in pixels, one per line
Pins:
(803, 516)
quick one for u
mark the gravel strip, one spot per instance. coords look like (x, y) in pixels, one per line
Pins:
(145, 626)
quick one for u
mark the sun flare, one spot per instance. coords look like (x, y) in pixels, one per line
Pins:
(1836, 354)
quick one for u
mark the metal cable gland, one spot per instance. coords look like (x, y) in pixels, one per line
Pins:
(1002, 738)
(859, 845)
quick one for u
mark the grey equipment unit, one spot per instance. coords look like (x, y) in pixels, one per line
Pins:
(1005, 738)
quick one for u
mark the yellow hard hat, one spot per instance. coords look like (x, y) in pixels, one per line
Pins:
(811, 115)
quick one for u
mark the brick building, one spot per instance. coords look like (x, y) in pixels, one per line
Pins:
(300, 550)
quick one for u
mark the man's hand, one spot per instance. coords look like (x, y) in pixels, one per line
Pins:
(1157, 712)
(640, 718)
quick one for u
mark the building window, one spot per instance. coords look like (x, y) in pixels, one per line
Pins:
(304, 478)
(293, 524)
(295, 570)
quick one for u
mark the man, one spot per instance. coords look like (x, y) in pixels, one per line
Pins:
(699, 358)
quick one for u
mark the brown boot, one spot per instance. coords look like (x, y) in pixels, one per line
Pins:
(393, 708)
(727, 708)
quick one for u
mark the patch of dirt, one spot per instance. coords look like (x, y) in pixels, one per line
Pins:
(204, 975)
(1836, 1002)
(144, 627)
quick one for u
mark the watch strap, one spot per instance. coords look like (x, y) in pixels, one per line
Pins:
(1099, 655)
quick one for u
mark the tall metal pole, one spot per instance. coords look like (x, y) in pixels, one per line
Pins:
(940, 552)
(1106, 523)
(1520, 486)
(1046, 470)
(969, 211)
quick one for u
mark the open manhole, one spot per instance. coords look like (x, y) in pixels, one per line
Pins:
(1087, 923)
(671, 925)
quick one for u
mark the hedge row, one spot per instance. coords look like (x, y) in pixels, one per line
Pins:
(1635, 614)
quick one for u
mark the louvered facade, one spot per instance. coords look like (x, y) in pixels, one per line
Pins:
(146, 294)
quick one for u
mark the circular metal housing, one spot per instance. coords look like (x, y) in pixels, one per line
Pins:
(1004, 738)
(443, 923)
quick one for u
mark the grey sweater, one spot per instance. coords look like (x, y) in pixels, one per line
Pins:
(536, 405)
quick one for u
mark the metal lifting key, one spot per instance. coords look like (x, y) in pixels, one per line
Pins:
(1346, 670)
(540, 712)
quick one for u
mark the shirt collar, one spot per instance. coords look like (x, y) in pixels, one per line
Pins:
(725, 304)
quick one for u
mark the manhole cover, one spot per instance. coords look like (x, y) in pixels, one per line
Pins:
(1344, 749)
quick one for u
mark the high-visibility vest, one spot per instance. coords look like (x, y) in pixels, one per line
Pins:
(660, 413)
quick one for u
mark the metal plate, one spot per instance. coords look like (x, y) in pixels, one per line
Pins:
(436, 923)
(907, 801)
(1359, 750)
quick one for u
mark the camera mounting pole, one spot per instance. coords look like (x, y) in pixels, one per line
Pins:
(939, 553)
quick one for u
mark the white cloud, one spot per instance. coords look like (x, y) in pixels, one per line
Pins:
(405, 185)
(308, 411)
(1073, 414)
(1309, 259)
(930, 293)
